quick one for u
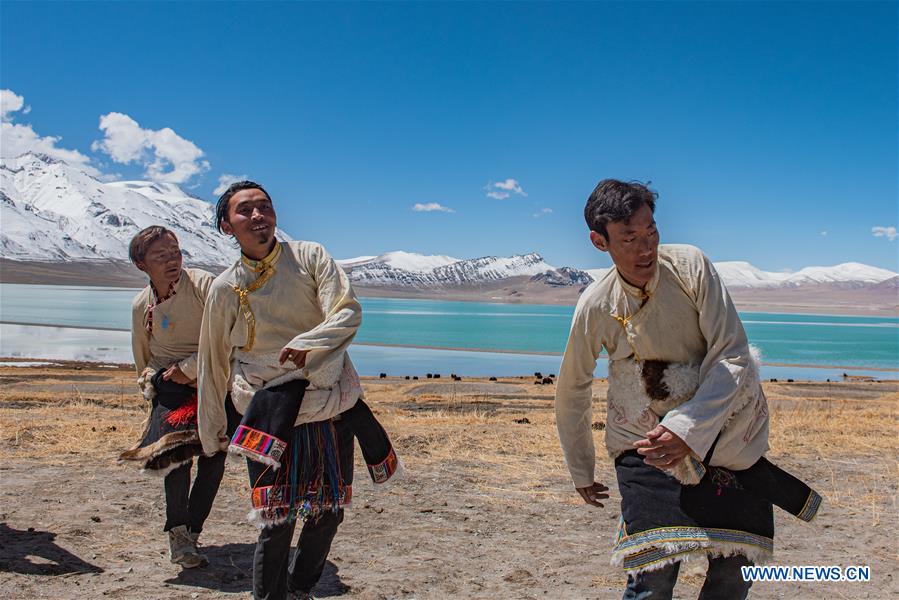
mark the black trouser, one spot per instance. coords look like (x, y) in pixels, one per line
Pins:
(186, 505)
(723, 581)
(272, 579)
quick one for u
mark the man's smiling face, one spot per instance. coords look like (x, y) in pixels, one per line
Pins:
(252, 221)
(633, 246)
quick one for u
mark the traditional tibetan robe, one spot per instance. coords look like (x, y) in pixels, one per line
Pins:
(165, 330)
(296, 297)
(175, 324)
(678, 355)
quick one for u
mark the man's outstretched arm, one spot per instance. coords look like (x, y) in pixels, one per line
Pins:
(574, 399)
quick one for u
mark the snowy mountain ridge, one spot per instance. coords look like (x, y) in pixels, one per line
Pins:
(406, 269)
(412, 270)
(741, 274)
(53, 212)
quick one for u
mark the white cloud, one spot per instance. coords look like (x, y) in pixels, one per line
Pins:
(11, 102)
(824, 233)
(543, 211)
(431, 207)
(17, 139)
(511, 185)
(225, 180)
(500, 190)
(166, 156)
(887, 232)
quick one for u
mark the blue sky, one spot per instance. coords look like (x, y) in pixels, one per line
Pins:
(769, 129)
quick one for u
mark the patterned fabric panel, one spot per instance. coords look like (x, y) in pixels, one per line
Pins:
(384, 470)
(258, 442)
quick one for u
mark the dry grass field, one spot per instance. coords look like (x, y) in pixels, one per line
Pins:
(485, 508)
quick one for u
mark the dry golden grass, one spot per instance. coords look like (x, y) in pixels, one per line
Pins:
(51, 432)
(47, 414)
(857, 418)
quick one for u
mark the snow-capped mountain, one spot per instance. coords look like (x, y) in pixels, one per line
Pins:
(740, 274)
(53, 212)
(491, 268)
(743, 275)
(406, 261)
(564, 277)
(845, 273)
(404, 269)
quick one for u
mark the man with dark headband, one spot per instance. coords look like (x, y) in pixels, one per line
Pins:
(274, 338)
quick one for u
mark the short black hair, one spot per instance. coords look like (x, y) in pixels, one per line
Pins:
(221, 209)
(614, 201)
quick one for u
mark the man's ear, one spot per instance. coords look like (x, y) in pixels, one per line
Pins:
(141, 266)
(226, 227)
(599, 241)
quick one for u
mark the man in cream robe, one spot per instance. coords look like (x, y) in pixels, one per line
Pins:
(165, 330)
(284, 312)
(684, 399)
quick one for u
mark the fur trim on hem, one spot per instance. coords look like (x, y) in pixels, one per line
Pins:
(164, 444)
(257, 517)
(154, 473)
(656, 548)
(682, 552)
(173, 458)
(254, 456)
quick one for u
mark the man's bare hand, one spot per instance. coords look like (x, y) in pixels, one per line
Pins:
(174, 373)
(662, 448)
(297, 357)
(592, 494)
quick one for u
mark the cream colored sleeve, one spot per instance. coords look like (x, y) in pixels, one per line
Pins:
(214, 368)
(202, 282)
(574, 396)
(699, 420)
(140, 339)
(342, 317)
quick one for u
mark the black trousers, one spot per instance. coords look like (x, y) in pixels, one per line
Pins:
(186, 505)
(274, 575)
(723, 581)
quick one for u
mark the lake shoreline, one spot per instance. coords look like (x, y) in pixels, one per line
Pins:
(811, 300)
(846, 368)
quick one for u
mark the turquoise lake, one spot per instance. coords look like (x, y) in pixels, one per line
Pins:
(814, 340)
